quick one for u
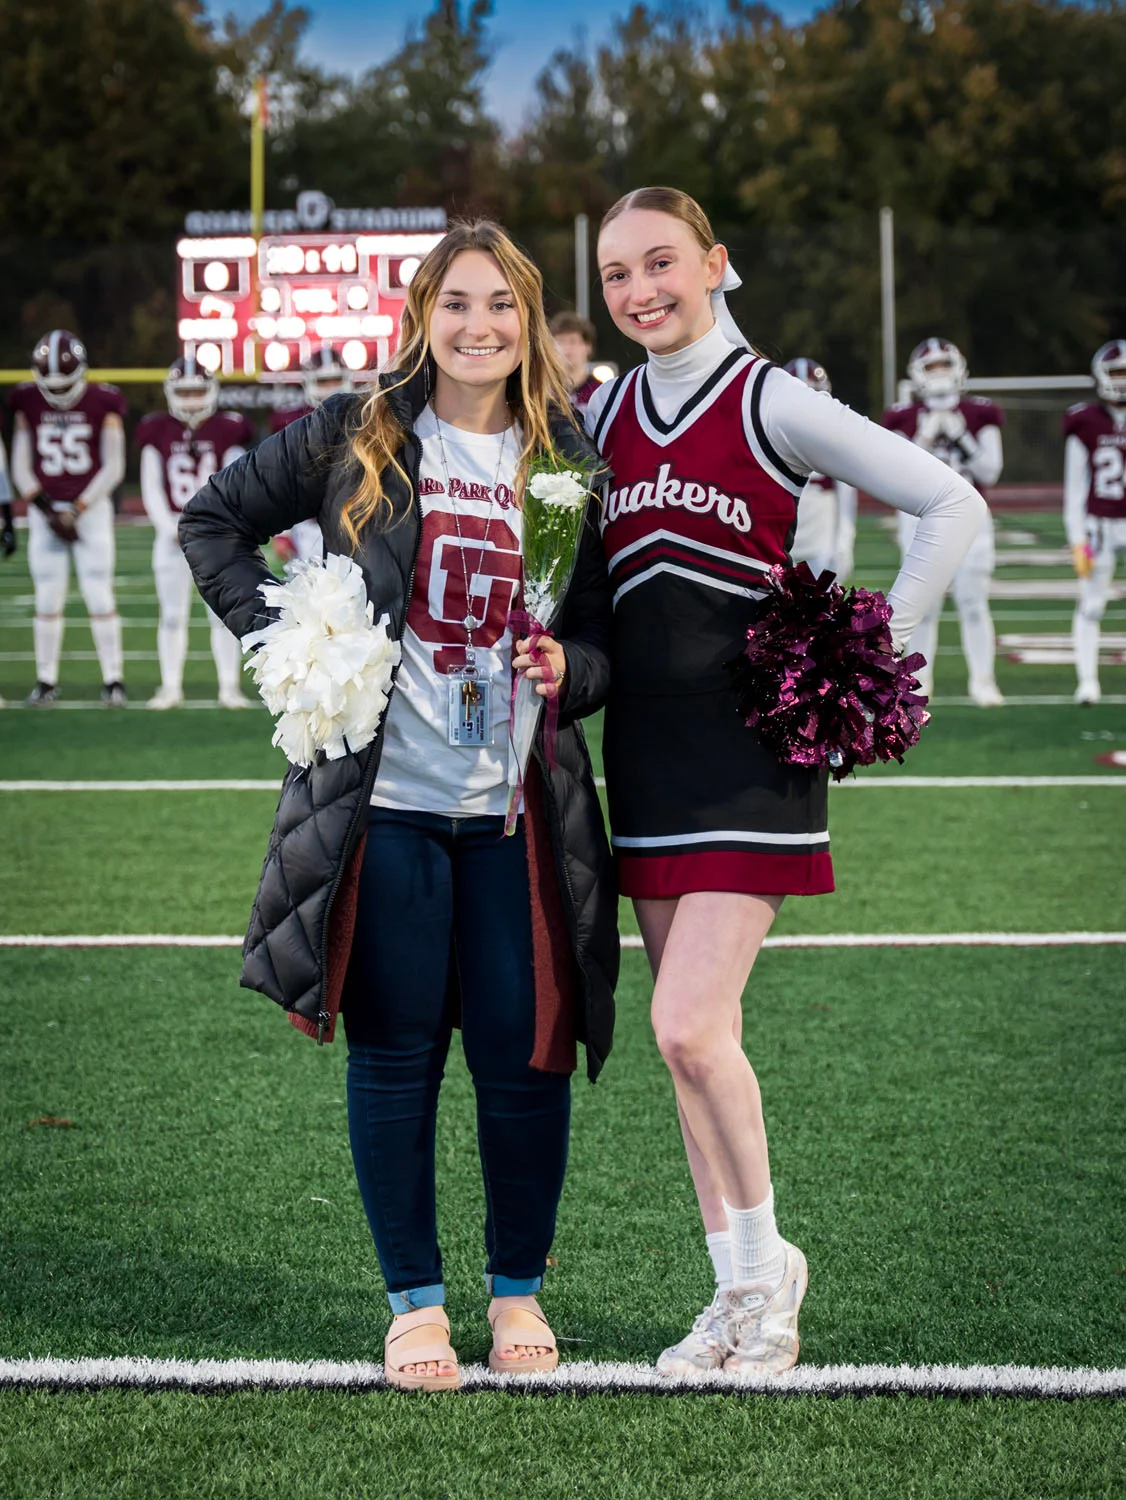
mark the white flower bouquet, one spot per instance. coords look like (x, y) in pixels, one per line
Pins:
(555, 500)
(324, 666)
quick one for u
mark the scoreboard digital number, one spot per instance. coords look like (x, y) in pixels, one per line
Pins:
(264, 306)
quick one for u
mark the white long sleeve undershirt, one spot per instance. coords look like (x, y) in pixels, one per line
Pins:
(813, 433)
(1076, 487)
(111, 453)
(23, 468)
(154, 496)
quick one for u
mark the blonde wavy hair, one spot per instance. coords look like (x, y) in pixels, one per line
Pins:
(535, 387)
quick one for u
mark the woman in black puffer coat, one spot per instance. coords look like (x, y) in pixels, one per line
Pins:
(388, 893)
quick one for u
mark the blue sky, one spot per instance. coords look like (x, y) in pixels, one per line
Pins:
(349, 36)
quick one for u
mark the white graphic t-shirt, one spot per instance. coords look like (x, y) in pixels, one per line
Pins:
(420, 769)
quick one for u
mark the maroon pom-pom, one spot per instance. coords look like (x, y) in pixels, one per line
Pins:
(819, 679)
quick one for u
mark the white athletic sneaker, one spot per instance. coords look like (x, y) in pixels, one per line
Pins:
(165, 697)
(761, 1327)
(701, 1350)
(987, 695)
(233, 699)
(1088, 693)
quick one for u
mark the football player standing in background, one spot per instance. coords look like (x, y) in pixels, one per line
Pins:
(180, 450)
(826, 532)
(964, 432)
(68, 457)
(1094, 504)
(323, 374)
(574, 337)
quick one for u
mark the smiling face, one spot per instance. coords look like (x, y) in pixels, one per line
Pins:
(657, 278)
(475, 332)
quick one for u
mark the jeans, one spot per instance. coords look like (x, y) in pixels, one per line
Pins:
(436, 890)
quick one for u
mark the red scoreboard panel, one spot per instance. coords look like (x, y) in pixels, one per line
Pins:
(251, 306)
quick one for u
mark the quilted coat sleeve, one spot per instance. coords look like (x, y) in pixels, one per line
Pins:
(266, 491)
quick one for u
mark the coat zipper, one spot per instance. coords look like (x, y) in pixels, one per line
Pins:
(323, 1017)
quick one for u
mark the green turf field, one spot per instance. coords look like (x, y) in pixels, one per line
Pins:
(946, 1128)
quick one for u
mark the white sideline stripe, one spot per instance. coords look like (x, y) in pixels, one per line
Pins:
(583, 1376)
(628, 940)
(960, 781)
(146, 786)
(236, 785)
(1045, 700)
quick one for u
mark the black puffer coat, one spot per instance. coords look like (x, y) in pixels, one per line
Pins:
(297, 945)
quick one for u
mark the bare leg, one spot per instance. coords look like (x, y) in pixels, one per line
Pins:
(702, 947)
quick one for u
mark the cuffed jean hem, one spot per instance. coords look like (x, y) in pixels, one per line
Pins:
(417, 1296)
(512, 1286)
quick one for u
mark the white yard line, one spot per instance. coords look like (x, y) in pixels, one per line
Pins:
(1045, 700)
(150, 786)
(582, 1376)
(629, 940)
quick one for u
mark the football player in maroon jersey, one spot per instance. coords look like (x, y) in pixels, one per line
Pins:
(322, 375)
(574, 338)
(710, 446)
(1094, 504)
(68, 457)
(826, 534)
(180, 450)
(964, 432)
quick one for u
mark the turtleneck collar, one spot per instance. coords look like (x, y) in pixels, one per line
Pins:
(693, 361)
(673, 376)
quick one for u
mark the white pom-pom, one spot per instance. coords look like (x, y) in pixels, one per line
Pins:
(323, 667)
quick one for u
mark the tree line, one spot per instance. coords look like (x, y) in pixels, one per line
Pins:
(996, 129)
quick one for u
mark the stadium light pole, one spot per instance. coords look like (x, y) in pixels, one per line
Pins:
(887, 301)
(582, 265)
(258, 123)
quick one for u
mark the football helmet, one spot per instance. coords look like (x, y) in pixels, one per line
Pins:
(809, 371)
(1109, 369)
(324, 374)
(59, 363)
(191, 392)
(937, 368)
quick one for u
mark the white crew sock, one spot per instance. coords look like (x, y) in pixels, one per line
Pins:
(719, 1248)
(227, 653)
(979, 647)
(758, 1251)
(48, 647)
(171, 648)
(106, 630)
(1085, 639)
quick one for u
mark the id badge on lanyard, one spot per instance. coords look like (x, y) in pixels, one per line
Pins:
(468, 697)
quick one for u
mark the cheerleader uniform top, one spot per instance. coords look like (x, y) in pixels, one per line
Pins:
(710, 449)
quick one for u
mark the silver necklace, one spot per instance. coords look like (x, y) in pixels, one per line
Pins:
(471, 622)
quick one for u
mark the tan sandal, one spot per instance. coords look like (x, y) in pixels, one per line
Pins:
(520, 1321)
(419, 1337)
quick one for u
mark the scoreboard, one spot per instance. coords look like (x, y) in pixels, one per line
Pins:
(261, 307)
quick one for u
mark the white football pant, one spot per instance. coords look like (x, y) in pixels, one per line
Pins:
(306, 537)
(174, 593)
(815, 540)
(971, 597)
(1106, 538)
(48, 560)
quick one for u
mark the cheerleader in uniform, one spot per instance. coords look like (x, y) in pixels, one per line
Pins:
(710, 446)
